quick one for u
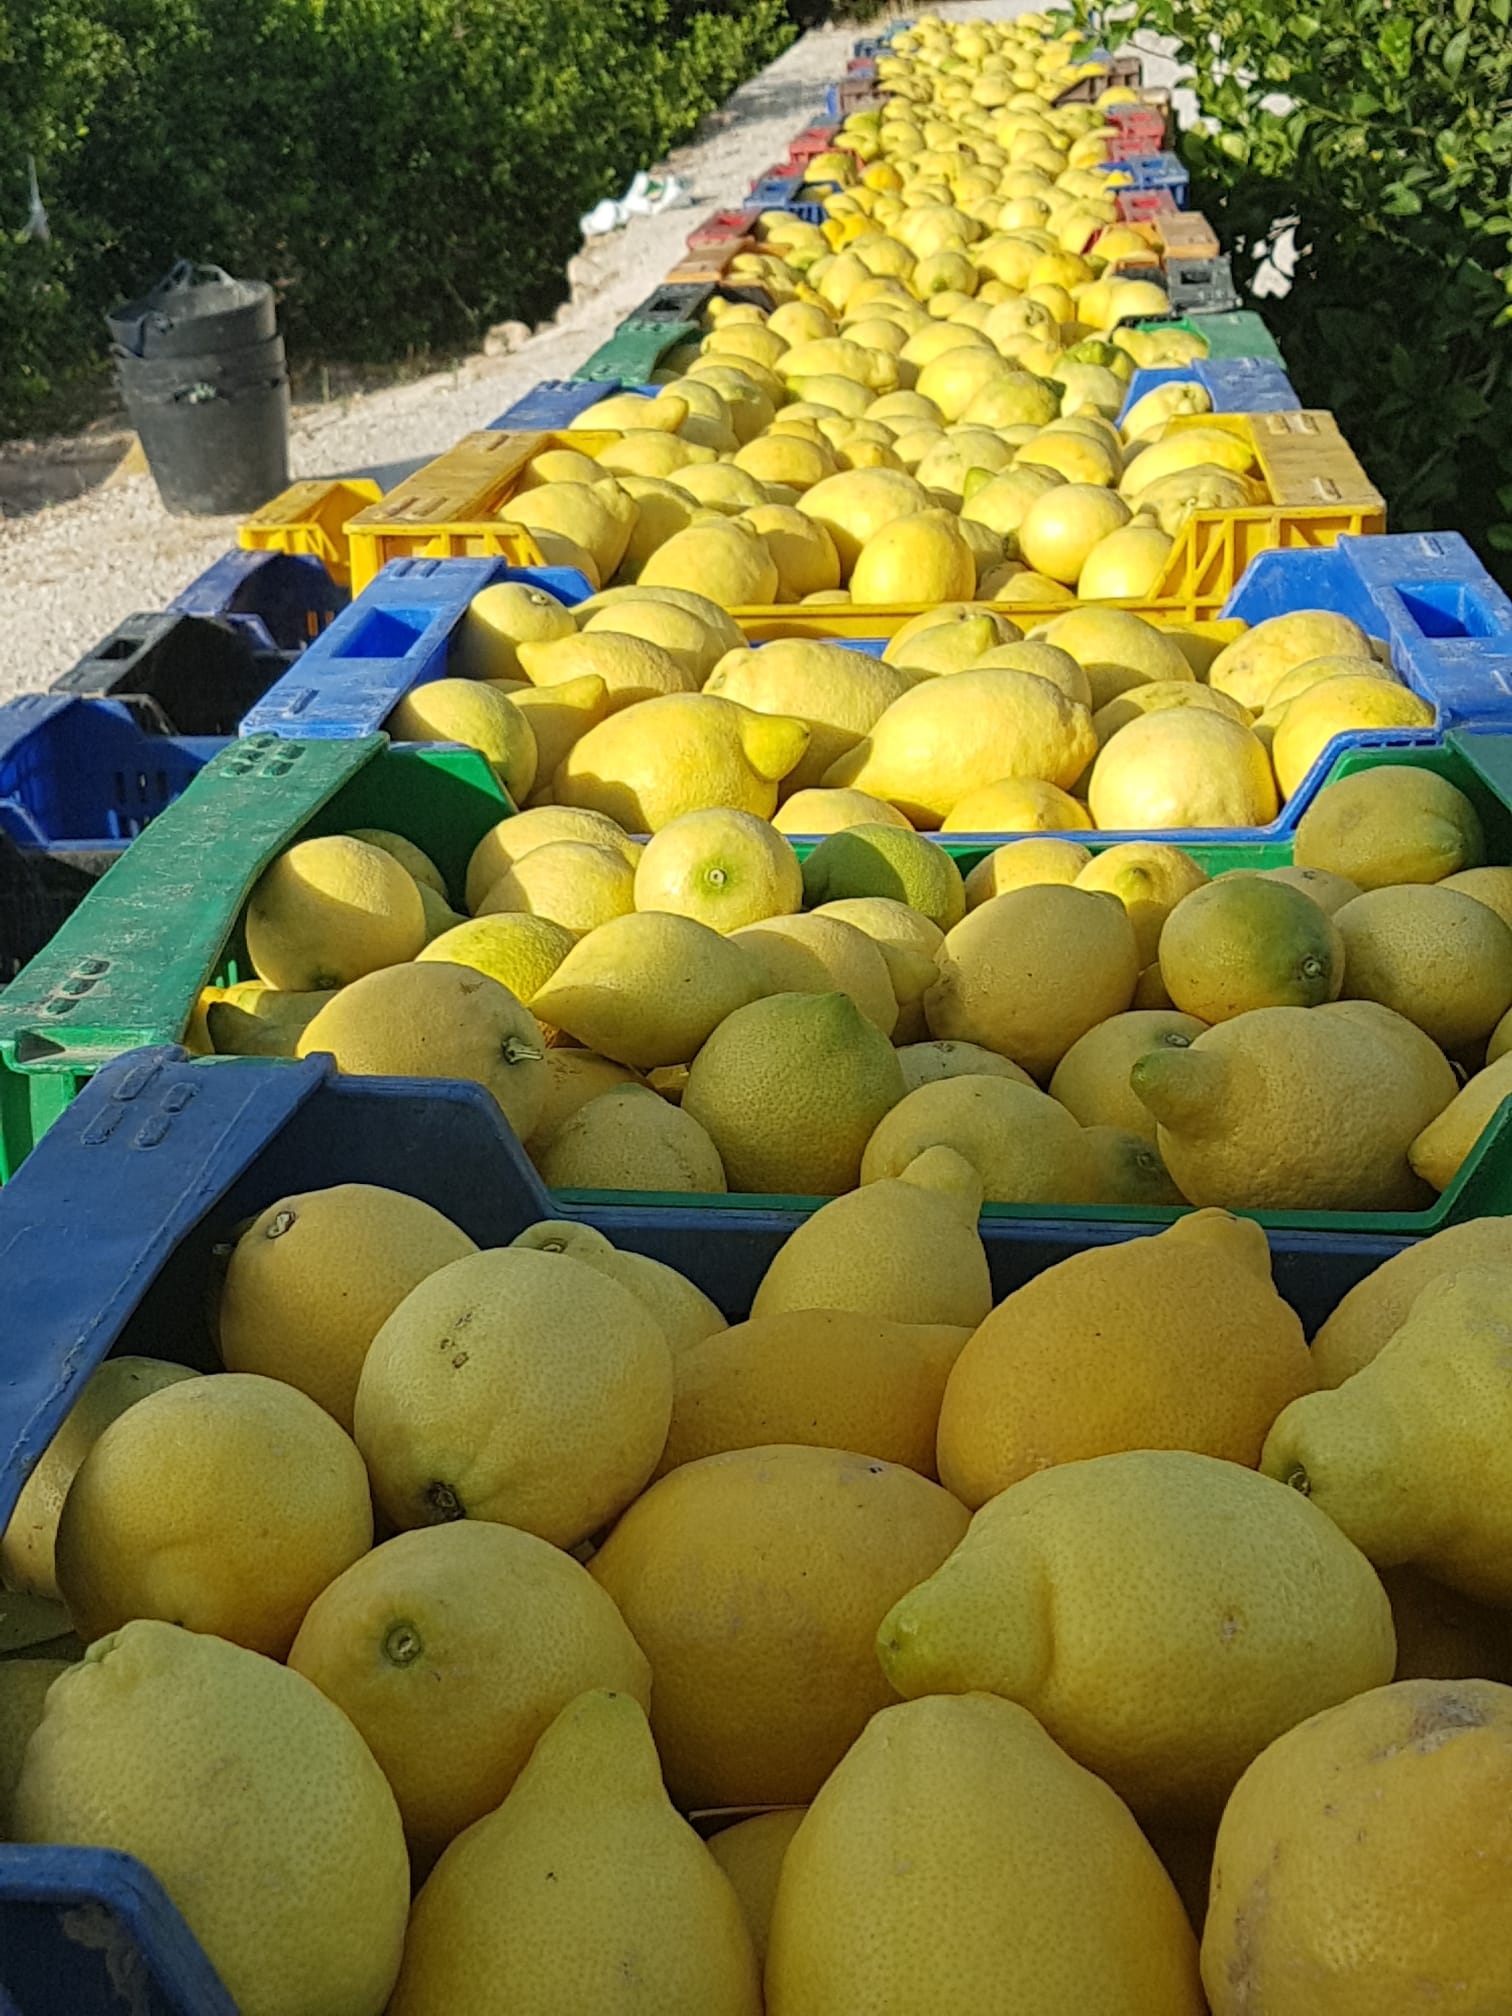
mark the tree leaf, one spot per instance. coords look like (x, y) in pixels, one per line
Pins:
(1455, 51)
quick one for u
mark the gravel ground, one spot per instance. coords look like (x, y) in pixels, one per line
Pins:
(75, 570)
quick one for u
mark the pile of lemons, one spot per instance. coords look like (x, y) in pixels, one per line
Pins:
(646, 703)
(710, 1011)
(865, 1646)
(931, 408)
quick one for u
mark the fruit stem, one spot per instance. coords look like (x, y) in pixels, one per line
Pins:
(443, 1503)
(1299, 1480)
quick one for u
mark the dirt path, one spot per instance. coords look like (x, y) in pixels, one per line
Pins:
(73, 571)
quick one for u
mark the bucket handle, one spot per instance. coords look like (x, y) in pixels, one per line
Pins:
(183, 273)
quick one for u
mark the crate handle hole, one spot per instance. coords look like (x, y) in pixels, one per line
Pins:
(1448, 609)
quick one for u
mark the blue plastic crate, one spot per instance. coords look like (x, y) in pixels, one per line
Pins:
(554, 405)
(84, 775)
(394, 636)
(1448, 624)
(1235, 384)
(88, 1932)
(282, 600)
(780, 192)
(1153, 171)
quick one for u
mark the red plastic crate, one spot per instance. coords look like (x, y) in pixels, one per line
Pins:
(717, 228)
(1142, 128)
(811, 141)
(1138, 206)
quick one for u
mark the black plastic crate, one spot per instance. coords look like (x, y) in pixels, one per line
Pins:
(182, 675)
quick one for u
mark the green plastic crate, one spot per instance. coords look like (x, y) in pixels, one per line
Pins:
(1238, 333)
(1481, 766)
(634, 351)
(128, 966)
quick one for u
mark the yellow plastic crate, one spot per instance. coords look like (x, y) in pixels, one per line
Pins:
(457, 505)
(311, 518)
(1317, 493)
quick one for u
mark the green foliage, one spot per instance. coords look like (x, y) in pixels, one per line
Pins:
(407, 171)
(1384, 129)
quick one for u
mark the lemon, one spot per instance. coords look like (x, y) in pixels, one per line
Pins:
(1021, 864)
(909, 943)
(728, 561)
(721, 868)
(1092, 1079)
(751, 1854)
(512, 839)
(692, 638)
(820, 811)
(412, 859)
(1126, 565)
(802, 551)
(838, 694)
(787, 459)
(1435, 1501)
(629, 1138)
(574, 884)
(1313, 672)
(854, 505)
(452, 1649)
(521, 952)
(1016, 805)
(649, 988)
(313, 1279)
(764, 1678)
(292, 1873)
(327, 911)
(883, 860)
(518, 1387)
(920, 557)
(897, 1903)
(682, 753)
(1491, 886)
(1130, 1170)
(949, 646)
(573, 1077)
(1335, 707)
(685, 1313)
(1376, 1308)
(1415, 1776)
(907, 1249)
(951, 736)
(1394, 823)
(663, 511)
(1025, 1147)
(437, 1020)
(1157, 695)
(477, 714)
(1251, 668)
(1118, 651)
(814, 954)
(1329, 892)
(1150, 879)
(538, 1905)
(498, 619)
(558, 715)
(226, 1504)
(1174, 1342)
(29, 1539)
(790, 1088)
(821, 1377)
(1047, 661)
(1433, 954)
(1180, 1573)
(1062, 529)
(1003, 501)
(1309, 1109)
(1242, 942)
(599, 517)
(1025, 974)
(1447, 1141)
(927, 1063)
(631, 667)
(1182, 767)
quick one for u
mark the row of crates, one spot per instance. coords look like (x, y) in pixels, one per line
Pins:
(143, 796)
